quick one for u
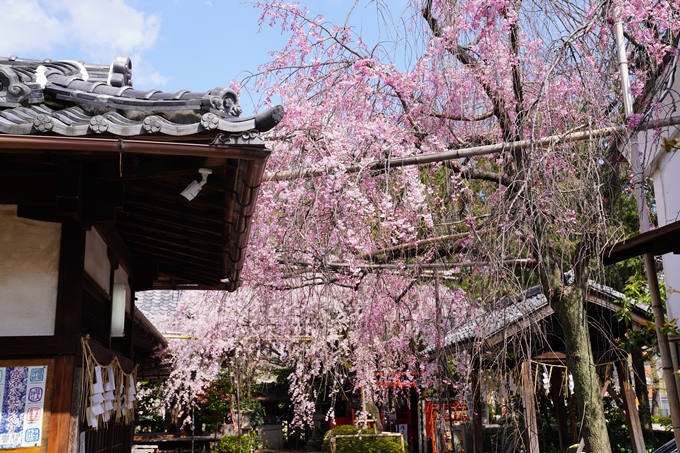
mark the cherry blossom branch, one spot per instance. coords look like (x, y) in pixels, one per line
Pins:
(481, 117)
(463, 55)
(413, 245)
(422, 159)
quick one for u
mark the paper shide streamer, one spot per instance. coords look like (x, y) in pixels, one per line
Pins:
(109, 393)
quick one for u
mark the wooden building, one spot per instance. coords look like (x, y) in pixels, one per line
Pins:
(106, 190)
(518, 344)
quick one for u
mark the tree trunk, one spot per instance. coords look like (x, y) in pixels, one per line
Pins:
(568, 306)
(642, 393)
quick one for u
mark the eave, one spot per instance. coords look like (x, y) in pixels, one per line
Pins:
(130, 191)
(660, 241)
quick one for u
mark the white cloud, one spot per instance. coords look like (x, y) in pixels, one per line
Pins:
(208, 3)
(144, 76)
(93, 31)
(29, 28)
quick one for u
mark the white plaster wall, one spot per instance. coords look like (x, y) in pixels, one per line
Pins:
(97, 263)
(120, 276)
(664, 168)
(667, 191)
(29, 269)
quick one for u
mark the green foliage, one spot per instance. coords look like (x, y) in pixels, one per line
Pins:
(150, 409)
(664, 421)
(669, 144)
(215, 403)
(317, 439)
(616, 428)
(229, 444)
(636, 290)
(361, 444)
(257, 417)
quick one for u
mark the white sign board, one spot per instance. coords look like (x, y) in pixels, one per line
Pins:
(22, 400)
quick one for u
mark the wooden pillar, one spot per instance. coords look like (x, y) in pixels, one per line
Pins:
(67, 322)
(529, 408)
(60, 410)
(558, 397)
(477, 435)
(632, 419)
(641, 390)
(71, 279)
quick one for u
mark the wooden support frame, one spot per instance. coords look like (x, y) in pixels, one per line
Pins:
(631, 416)
(529, 408)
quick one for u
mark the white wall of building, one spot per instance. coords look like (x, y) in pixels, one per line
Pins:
(29, 269)
(97, 263)
(664, 168)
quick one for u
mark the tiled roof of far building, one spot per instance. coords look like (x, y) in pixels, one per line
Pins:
(73, 98)
(158, 306)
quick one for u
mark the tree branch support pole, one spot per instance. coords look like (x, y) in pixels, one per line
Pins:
(238, 408)
(650, 265)
(530, 409)
(633, 420)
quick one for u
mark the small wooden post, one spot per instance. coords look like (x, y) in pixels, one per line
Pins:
(529, 408)
(632, 417)
(332, 444)
(476, 416)
(558, 397)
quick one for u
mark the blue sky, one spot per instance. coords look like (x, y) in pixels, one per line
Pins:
(173, 44)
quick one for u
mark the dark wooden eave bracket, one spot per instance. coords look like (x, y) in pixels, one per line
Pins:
(665, 239)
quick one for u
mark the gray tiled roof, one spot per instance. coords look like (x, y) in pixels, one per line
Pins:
(75, 99)
(507, 312)
(158, 306)
(496, 319)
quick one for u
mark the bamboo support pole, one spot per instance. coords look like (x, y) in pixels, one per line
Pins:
(383, 164)
(650, 265)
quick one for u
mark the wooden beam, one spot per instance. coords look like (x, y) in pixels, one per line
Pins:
(476, 416)
(40, 346)
(70, 280)
(70, 191)
(148, 167)
(109, 195)
(105, 356)
(182, 209)
(632, 418)
(174, 220)
(182, 234)
(62, 398)
(530, 409)
(169, 243)
(558, 397)
(28, 188)
(117, 247)
(154, 251)
(170, 191)
(665, 239)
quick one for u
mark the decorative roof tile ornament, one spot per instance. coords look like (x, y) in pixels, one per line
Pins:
(73, 98)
